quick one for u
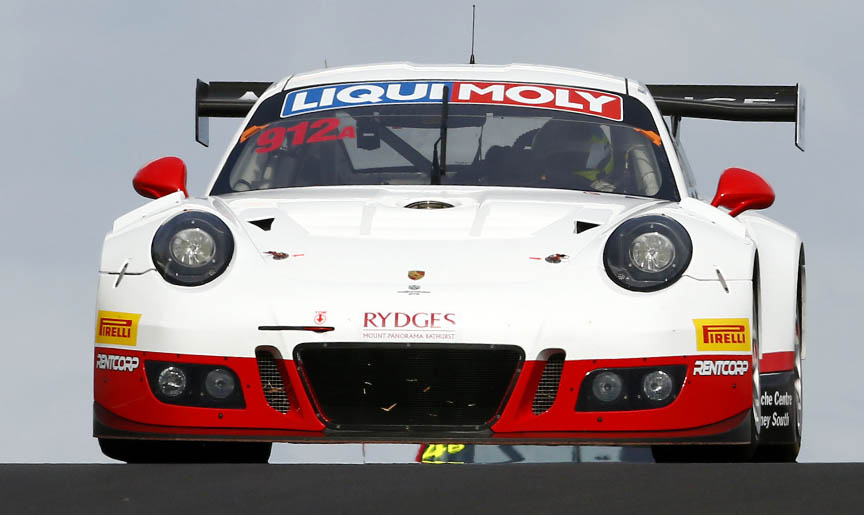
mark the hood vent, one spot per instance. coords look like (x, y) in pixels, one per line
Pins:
(429, 204)
(584, 226)
(263, 224)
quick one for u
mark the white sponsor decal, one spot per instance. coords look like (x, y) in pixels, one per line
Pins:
(707, 367)
(116, 363)
(774, 419)
(778, 399)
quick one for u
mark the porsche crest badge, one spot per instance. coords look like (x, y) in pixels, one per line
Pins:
(416, 275)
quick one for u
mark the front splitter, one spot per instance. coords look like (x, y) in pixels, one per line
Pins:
(734, 430)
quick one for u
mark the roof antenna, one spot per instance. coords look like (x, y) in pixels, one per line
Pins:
(325, 63)
(473, 16)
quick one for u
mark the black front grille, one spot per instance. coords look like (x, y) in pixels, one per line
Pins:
(271, 381)
(547, 390)
(383, 385)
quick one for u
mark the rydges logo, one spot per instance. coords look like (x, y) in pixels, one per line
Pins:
(399, 326)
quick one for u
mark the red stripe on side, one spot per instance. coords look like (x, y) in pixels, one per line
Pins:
(777, 362)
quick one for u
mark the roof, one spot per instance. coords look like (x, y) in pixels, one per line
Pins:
(475, 72)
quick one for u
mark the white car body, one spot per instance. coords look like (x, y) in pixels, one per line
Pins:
(348, 250)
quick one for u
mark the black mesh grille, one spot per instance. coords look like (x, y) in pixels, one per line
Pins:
(271, 381)
(547, 390)
(406, 385)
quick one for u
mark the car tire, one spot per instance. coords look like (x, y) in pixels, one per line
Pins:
(788, 452)
(178, 451)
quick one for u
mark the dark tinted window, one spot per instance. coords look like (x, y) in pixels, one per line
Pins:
(488, 145)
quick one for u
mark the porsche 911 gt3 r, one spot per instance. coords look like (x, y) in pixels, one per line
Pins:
(465, 254)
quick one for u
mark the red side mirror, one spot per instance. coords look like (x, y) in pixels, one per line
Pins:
(161, 177)
(740, 190)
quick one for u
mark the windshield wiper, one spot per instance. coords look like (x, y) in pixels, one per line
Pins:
(439, 168)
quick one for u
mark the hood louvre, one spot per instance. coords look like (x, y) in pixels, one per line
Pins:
(429, 204)
(584, 226)
(264, 224)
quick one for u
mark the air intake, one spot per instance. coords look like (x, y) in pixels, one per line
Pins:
(429, 204)
(271, 381)
(547, 390)
(408, 386)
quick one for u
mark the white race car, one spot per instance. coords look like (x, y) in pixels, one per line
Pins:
(466, 254)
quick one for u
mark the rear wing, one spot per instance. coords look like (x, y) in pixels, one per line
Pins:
(736, 103)
(223, 100)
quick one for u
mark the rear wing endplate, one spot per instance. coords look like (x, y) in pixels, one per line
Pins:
(736, 103)
(223, 100)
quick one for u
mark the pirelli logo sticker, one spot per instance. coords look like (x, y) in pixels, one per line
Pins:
(116, 328)
(722, 334)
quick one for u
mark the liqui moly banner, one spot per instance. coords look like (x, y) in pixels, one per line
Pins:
(583, 101)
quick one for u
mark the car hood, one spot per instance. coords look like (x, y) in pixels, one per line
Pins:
(380, 213)
(368, 233)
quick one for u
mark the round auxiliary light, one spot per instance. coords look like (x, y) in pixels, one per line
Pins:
(172, 382)
(657, 385)
(219, 383)
(652, 252)
(193, 247)
(607, 386)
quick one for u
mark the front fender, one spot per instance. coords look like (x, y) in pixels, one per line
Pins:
(780, 253)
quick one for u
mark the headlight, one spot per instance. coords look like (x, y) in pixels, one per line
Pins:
(652, 252)
(192, 248)
(647, 253)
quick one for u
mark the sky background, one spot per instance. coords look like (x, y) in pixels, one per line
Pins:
(90, 91)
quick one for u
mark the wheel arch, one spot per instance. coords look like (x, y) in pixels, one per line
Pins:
(781, 257)
(802, 298)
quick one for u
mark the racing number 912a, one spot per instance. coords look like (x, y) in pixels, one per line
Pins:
(325, 129)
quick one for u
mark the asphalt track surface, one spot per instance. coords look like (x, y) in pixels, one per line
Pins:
(609, 488)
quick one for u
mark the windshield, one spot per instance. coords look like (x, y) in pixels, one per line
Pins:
(316, 138)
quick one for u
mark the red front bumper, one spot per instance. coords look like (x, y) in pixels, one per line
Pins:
(709, 409)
